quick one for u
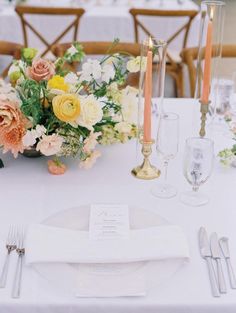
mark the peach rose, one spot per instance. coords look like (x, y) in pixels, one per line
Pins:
(13, 126)
(41, 70)
(91, 142)
(55, 167)
(91, 160)
(50, 145)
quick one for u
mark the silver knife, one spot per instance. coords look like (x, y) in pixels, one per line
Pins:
(206, 254)
(224, 244)
(216, 254)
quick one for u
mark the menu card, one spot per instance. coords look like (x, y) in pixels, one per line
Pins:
(109, 221)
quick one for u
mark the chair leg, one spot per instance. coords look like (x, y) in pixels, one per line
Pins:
(5, 72)
(177, 76)
(180, 84)
(174, 75)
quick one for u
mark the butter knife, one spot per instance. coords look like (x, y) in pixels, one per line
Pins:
(216, 254)
(206, 254)
(224, 244)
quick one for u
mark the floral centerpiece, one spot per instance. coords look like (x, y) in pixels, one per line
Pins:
(228, 155)
(60, 113)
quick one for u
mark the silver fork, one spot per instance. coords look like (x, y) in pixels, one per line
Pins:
(10, 246)
(21, 252)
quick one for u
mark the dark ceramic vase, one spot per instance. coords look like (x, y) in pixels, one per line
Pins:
(32, 152)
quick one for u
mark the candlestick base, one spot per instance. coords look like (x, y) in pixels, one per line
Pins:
(146, 171)
(204, 110)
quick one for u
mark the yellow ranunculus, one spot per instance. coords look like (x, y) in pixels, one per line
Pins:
(66, 107)
(58, 83)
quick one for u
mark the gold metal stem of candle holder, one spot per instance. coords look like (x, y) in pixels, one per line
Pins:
(204, 110)
(146, 170)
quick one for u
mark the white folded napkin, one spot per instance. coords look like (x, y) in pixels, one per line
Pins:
(45, 244)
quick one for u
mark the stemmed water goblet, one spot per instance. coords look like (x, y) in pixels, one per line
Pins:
(197, 167)
(167, 147)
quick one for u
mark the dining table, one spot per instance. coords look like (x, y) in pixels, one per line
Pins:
(29, 195)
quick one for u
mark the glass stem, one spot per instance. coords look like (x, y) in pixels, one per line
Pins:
(166, 163)
(195, 188)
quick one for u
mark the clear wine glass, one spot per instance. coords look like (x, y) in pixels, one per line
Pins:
(198, 165)
(167, 147)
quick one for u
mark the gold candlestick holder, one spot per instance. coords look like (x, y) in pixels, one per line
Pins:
(204, 110)
(146, 170)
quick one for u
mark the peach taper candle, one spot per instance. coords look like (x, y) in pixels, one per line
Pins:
(207, 65)
(147, 123)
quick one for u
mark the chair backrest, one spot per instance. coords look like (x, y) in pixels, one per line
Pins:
(184, 29)
(100, 48)
(190, 56)
(22, 11)
(9, 49)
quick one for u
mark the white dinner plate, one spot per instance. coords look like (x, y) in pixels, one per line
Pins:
(65, 276)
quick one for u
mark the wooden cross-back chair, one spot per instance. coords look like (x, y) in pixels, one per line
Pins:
(100, 48)
(174, 64)
(9, 49)
(190, 56)
(104, 48)
(22, 11)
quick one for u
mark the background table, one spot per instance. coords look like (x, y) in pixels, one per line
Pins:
(29, 194)
(100, 23)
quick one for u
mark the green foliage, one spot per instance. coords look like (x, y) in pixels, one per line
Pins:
(69, 58)
(111, 105)
(32, 95)
(75, 57)
(234, 149)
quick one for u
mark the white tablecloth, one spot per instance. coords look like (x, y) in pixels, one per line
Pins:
(29, 194)
(100, 23)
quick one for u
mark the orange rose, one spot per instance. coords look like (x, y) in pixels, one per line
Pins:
(12, 127)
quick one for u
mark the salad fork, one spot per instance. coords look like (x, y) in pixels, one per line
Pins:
(10, 246)
(21, 252)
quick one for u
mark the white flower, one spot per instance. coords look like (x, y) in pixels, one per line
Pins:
(71, 78)
(91, 160)
(114, 92)
(17, 66)
(91, 112)
(129, 105)
(72, 50)
(50, 145)
(13, 68)
(7, 92)
(91, 70)
(20, 81)
(40, 130)
(56, 92)
(112, 59)
(134, 65)
(30, 137)
(91, 142)
(108, 73)
(5, 87)
(130, 90)
(123, 127)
